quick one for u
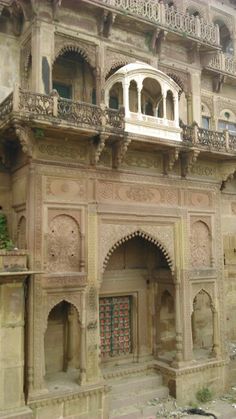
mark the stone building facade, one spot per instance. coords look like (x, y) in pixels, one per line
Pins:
(117, 176)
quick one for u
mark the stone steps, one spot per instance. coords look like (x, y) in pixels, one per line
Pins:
(133, 388)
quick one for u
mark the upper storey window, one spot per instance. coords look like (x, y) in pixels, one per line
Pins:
(225, 37)
(150, 99)
(73, 77)
(227, 121)
(206, 117)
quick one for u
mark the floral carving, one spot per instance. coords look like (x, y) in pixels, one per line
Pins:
(63, 244)
(200, 243)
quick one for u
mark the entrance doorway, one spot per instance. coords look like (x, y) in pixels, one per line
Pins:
(115, 326)
(137, 315)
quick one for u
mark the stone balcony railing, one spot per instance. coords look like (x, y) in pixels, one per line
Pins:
(51, 108)
(224, 63)
(167, 17)
(205, 139)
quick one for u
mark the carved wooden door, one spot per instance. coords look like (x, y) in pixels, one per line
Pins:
(115, 326)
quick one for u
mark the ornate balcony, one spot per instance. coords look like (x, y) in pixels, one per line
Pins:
(223, 63)
(168, 18)
(48, 111)
(150, 100)
(53, 110)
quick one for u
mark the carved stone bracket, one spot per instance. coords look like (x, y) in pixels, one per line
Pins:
(158, 37)
(193, 52)
(218, 82)
(98, 144)
(26, 138)
(188, 158)
(227, 171)
(105, 23)
(119, 151)
(207, 56)
(55, 7)
(170, 157)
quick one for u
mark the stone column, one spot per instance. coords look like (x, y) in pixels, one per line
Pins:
(164, 105)
(12, 330)
(126, 97)
(216, 343)
(176, 110)
(178, 328)
(42, 55)
(82, 354)
(140, 87)
(72, 320)
(189, 109)
(196, 96)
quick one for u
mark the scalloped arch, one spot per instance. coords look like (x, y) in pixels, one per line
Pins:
(146, 236)
(71, 47)
(119, 62)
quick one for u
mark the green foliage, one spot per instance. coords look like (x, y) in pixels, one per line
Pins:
(204, 395)
(5, 242)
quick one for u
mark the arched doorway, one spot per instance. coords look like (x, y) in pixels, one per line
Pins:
(134, 281)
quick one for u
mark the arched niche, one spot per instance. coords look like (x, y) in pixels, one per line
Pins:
(200, 245)
(73, 76)
(116, 96)
(202, 325)
(21, 233)
(64, 244)
(225, 36)
(62, 344)
(151, 98)
(206, 116)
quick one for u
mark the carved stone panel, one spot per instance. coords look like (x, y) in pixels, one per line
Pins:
(62, 189)
(63, 244)
(136, 193)
(200, 244)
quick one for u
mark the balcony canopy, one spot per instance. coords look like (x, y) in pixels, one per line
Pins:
(150, 99)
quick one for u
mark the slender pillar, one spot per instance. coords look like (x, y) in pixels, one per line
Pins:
(83, 342)
(216, 346)
(176, 110)
(126, 97)
(164, 105)
(179, 336)
(70, 336)
(189, 109)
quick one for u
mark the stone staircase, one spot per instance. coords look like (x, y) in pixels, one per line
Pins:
(135, 391)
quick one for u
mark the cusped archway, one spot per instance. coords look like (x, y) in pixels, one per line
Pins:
(136, 294)
(147, 236)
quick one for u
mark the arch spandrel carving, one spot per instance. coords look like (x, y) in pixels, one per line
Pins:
(113, 235)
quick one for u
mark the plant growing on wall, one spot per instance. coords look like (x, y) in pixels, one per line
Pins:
(5, 242)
